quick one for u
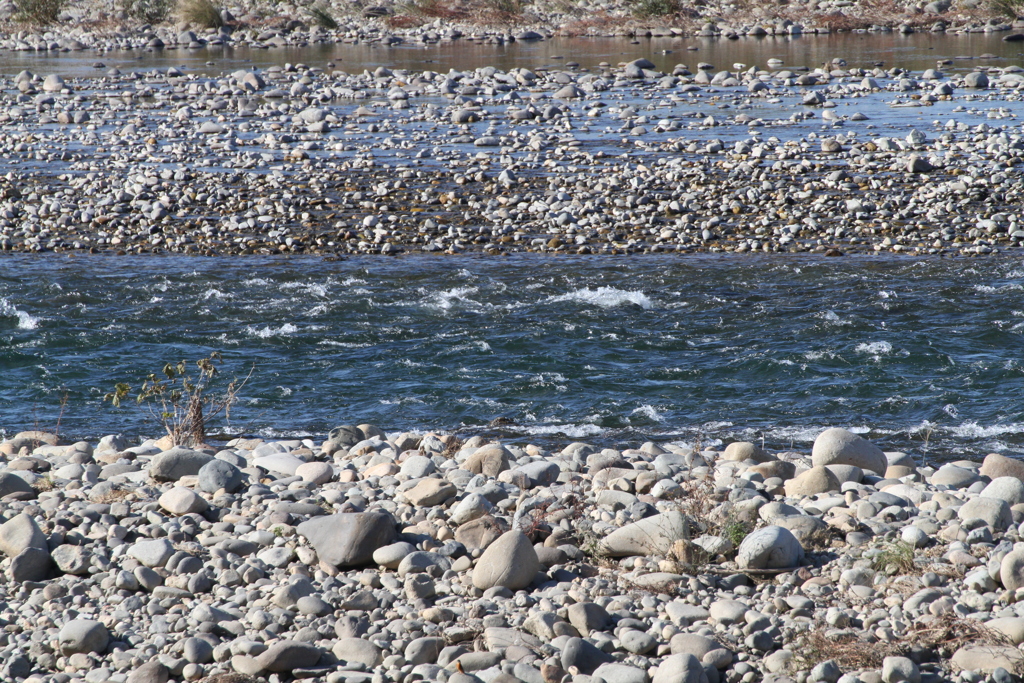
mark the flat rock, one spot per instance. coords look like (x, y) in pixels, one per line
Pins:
(83, 636)
(349, 538)
(651, 536)
(175, 463)
(19, 534)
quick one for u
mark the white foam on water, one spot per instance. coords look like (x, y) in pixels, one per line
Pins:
(285, 391)
(973, 430)
(215, 294)
(989, 289)
(446, 299)
(832, 318)
(250, 282)
(306, 288)
(573, 431)
(268, 331)
(349, 281)
(605, 297)
(649, 412)
(879, 348)
(26, 321)
(399, 401)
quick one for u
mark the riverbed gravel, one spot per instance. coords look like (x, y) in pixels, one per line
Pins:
(369, 557)
(620, 159)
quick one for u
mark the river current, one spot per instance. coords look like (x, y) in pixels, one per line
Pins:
(921, 355)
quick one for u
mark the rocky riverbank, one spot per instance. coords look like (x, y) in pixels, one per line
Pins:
(618, 159)
(391, 558)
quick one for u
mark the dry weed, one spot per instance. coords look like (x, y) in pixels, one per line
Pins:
(846, 649)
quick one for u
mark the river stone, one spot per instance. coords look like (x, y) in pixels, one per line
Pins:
(424, 650)
(1011, 627)
(994, 512)
(182, 501)
(218, 474)
(996, 466)
(31, 564)
(1011, 570)
(473, 506)
(739, 451)
(772, 547)
(71, 559)
(390, 556)
(152, 671)
(692, 644)
(173, 464)
(587, 617)
(349, 538)
(900, 670)
(510, 561)
(812, 482)
(430, 492)
(281, 463)
(976, 79)
(584, 655)
(489, 460)
(620, 673)
(680, 668)
(21, 533)
(954, 477)
(12, 483)
(479, 533)
(287, 655)
(651, 536)
(727, 611)
(987, 658)
(154, 553)
(838, 446)
(83, 636)
(1007, 489)
(358, 650)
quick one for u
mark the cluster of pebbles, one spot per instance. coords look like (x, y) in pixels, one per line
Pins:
(394, 558)
(618, 159)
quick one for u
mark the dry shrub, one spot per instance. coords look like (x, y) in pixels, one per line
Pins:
(944, 635)
(848, 651)
(200, 13)
(39, 12)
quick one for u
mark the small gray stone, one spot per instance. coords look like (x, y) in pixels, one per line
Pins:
(218, 474)
(154, 553)
(900, 670)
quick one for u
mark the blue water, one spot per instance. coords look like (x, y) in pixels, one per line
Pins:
(922, 355)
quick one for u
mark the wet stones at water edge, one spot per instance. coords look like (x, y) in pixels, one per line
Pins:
(416, 555)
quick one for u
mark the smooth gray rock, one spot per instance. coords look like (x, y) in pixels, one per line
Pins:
(994, 512)
(391, 556)
(349, 538)
(424, 650)
(681, 668)
(772, 547)
(587, 617)
(19, 534)
(173, 464)
(838, 446)
(218, 474)
(900, 670)
(32, 564)
(510, 561)
(583, 655)
(71, 559)
(154, 553)
(12, 483)
(84, 636)
(651, 536)
(1007, 489)
(287, 655)
(358, 650)
(152, 671)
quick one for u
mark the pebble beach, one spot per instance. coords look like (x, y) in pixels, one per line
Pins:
(613, 159)
(369, 557)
